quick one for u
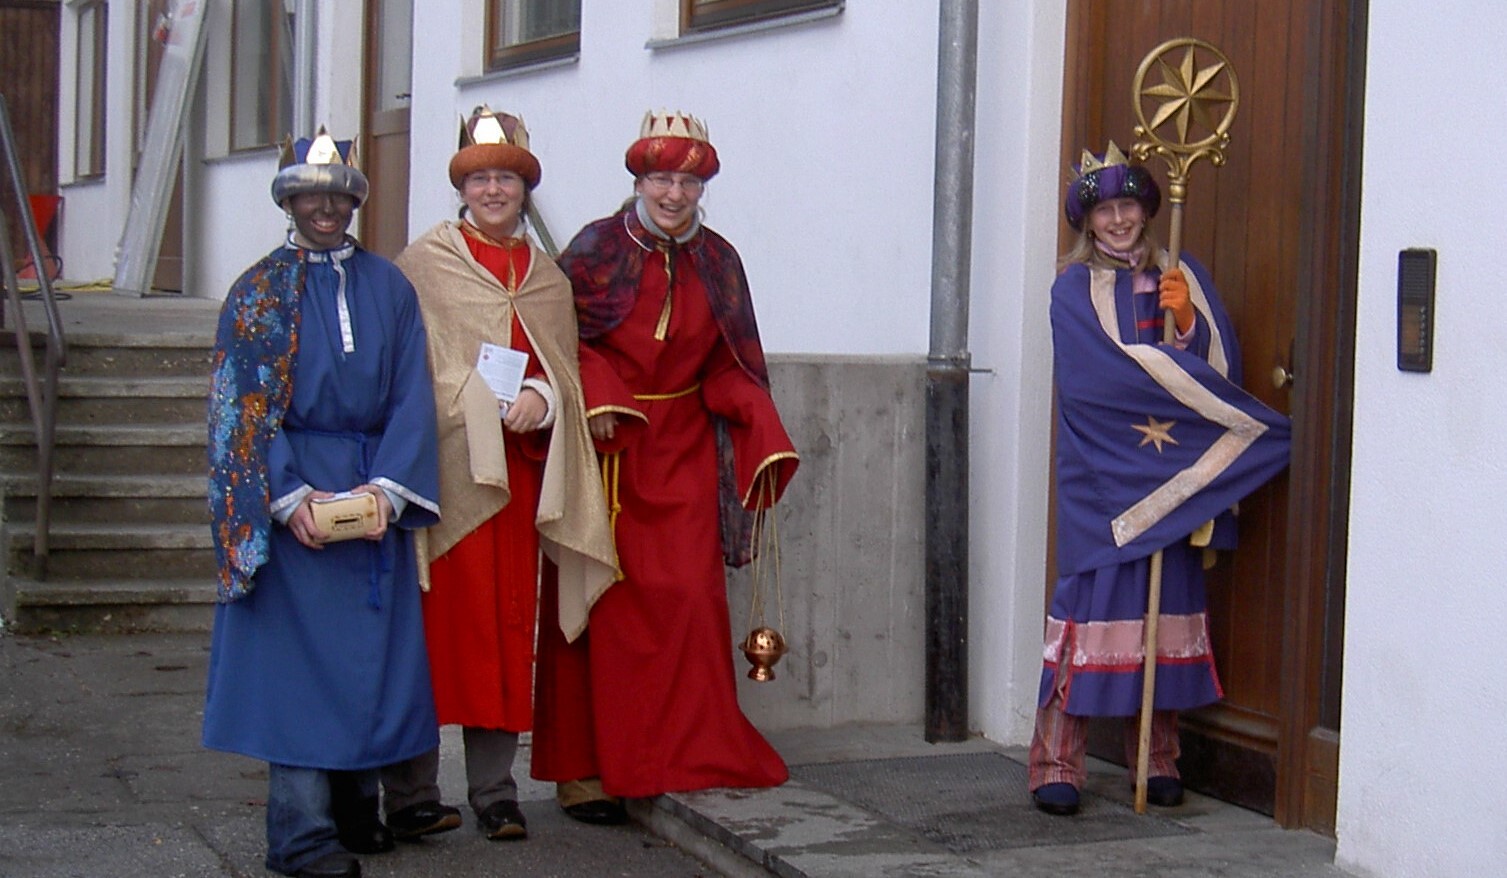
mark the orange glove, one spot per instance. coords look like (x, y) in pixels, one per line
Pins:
(1174, 298)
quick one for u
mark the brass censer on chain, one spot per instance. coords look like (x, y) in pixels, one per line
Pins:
(764, 646)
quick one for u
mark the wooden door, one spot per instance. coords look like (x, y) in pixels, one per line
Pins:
(29, 81)
(1276, 226)
(388, 72)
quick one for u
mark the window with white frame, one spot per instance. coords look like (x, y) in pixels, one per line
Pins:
(261, 73)
(703, 15)
(522, 32)
(89, 96)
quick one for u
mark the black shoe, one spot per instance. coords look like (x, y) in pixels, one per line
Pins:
(601, 812)
(1164, 792)
(331, 866)
(1059, 799)
(357, 821)
(502, 821)
(425, 818)
(370, 838)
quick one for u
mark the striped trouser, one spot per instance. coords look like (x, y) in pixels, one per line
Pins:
(1060, 741)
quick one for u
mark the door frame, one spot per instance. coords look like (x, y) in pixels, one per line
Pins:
(393, 222)
(1318, 512)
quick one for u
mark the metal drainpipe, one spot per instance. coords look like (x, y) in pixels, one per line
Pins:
(948, 363)
(305, 26)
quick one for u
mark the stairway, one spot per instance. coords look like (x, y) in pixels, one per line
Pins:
(130, 546)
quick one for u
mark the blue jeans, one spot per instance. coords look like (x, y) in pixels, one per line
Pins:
(300, 823)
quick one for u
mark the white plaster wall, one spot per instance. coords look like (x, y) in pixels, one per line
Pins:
(1425, 690)
(235, 223)
(1014, 250)
(94, 209)
(824, 130)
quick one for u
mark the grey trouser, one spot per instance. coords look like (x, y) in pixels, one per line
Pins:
(489, 772)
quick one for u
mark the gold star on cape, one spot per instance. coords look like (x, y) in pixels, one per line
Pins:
(1155, 432)
(1188, 92)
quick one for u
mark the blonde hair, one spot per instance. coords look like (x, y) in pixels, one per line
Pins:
(1084, 250)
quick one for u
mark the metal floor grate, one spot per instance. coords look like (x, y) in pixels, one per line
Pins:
(974, 802)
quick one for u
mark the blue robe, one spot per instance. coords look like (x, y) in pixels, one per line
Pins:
(320, 662)
(1152, 443)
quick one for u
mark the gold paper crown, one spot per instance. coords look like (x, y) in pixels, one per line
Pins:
(486, 126)
(676, 124)
(321, 150)
(1112, 157)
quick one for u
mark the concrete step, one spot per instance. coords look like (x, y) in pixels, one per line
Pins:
(110, 606)
(71, 386)
(113, 400)
(131, 536)
(121, 486)
(128, 550)
(160, 499)
(170, 449)
(129, 546)
(186, 354)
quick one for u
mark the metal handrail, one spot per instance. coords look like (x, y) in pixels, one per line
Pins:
(42, 396)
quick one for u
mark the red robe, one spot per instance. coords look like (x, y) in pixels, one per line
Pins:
(647, 699)
(480, 610)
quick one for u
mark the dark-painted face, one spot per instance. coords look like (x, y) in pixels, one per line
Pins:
(322, 217)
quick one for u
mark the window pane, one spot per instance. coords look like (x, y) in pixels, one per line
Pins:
(89, 112)
(525, 31)
(261, 74)
(707, 14)
(524, 21)
(395, 62)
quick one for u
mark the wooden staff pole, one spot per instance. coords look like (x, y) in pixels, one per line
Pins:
(1187, 94)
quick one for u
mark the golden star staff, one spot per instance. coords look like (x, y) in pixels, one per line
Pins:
(1188, 95)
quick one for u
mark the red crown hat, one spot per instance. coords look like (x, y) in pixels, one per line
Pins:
(493, 140)
(673, 142)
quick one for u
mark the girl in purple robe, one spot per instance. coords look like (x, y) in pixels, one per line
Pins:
(1155, 445)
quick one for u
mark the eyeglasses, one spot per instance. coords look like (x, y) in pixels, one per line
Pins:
(689, 184)
(489, 178)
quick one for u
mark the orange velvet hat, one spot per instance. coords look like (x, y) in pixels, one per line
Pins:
(493, 140)
(672, 142)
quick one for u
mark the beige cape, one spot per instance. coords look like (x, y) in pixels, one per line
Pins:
(464, 305)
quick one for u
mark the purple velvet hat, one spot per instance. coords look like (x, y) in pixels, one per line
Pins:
(1108, 176)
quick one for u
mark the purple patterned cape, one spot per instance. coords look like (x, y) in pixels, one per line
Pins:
(605, 263)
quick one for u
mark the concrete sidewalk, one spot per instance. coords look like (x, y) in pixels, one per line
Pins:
(105, 777)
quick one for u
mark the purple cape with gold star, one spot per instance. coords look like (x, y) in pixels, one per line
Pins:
(1152, 442)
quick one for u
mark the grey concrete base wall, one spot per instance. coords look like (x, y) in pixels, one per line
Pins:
(851, 547)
